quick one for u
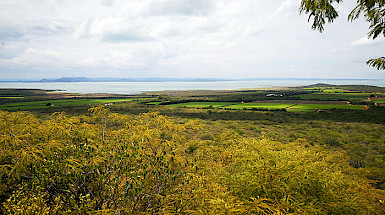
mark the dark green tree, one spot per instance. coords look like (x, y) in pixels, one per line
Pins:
(373, 11)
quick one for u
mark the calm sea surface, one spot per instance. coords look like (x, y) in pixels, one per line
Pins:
(138, 87)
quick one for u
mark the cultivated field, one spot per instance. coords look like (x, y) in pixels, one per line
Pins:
(36, 105)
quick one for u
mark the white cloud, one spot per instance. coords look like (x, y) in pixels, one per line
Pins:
(34, 58)
(184, 38)
(149, 20)
(286, 7)
(365, 41)
(179, 7)
(107, 2)
(185, 19)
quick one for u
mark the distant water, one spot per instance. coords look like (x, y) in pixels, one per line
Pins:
(139, 87)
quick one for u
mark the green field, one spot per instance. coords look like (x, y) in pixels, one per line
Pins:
(232, 105)
(379, 101)
(259, 105)
(314, 107)
(35, 105)
(11, 97)
(204, 104)
(268, 106)
(326, 89)
(333, 96)
(156, 103)
(334, 91)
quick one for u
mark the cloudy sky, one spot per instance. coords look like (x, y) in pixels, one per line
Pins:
(179, 38)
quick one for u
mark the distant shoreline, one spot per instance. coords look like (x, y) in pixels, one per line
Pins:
(85, 79)
(145, 87)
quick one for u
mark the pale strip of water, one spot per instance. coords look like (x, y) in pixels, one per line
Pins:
(139, 87)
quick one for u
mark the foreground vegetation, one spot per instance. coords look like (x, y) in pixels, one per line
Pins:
(113, 163)
(164, 158)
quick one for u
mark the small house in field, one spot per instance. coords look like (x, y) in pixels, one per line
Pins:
(273, 95)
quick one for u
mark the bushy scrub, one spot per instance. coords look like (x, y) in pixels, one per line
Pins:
(111, 163)
(81, 164)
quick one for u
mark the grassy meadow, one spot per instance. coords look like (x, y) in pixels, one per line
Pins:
(379, 101)
(37, 105)
(267, 106)
(315, 107)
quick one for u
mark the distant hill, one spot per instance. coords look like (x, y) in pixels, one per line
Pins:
(84, 79)
(157, 79)
(67, 79)
(109, 79)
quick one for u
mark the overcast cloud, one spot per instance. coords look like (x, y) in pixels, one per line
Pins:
(179, 38)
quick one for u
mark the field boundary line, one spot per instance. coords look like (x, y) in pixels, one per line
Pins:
(294, 105)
